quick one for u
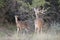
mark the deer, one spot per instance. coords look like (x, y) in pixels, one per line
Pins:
(39, 22)
(21, 24)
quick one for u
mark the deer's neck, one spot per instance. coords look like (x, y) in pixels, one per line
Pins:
(16, 19)
(37, 16)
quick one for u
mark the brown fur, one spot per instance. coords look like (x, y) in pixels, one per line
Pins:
(21, 24)
(38, 24)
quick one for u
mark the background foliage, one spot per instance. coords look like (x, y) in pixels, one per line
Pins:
(24, 8)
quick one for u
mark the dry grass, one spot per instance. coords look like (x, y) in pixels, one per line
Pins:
(52, 34)
(43, 36)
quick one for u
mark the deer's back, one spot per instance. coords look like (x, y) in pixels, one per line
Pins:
(22, 24)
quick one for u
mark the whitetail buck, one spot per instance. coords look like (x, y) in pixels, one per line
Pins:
(21, 24)
(38, 22)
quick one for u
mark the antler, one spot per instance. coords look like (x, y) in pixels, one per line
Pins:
(41, 11)
(36, 11)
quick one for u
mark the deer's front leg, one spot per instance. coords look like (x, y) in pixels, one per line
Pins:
(17, 30)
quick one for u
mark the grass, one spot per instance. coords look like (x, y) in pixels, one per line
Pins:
(9, 33)
(43, 36)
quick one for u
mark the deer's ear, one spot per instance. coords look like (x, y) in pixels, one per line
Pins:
(34, 9)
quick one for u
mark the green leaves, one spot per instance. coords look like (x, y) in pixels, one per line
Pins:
(2, 3)
(38, 3)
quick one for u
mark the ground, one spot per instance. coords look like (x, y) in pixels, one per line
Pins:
(9, 33)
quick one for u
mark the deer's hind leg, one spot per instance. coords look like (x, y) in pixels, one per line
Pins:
(36, 29)
(18, 30)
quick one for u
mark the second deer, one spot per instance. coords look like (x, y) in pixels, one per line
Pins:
(38, 22)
